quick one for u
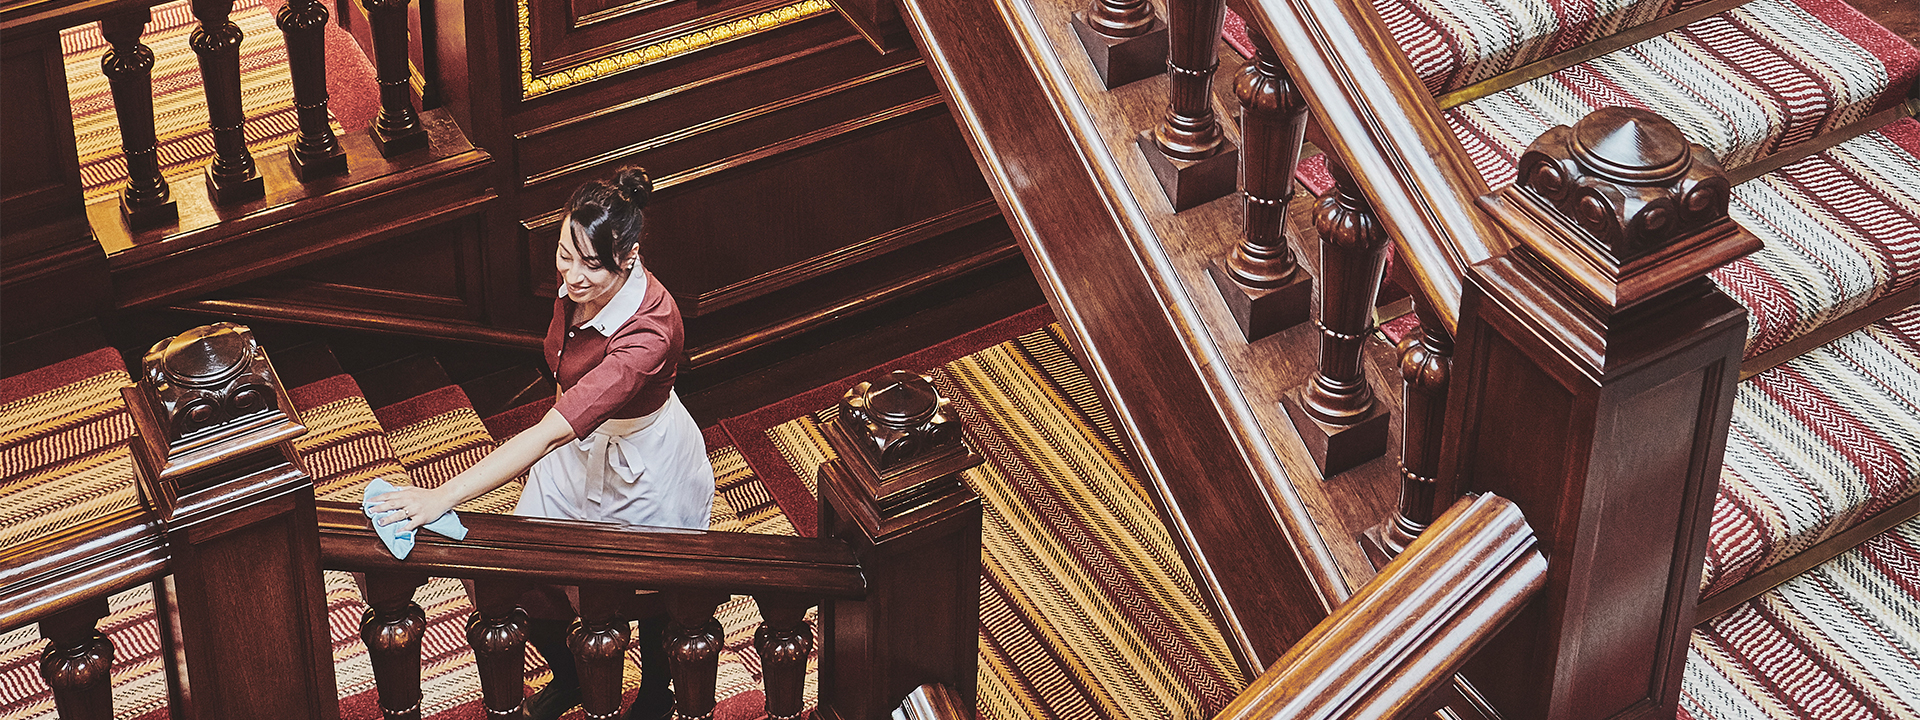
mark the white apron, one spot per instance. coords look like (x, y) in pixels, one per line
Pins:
(649, 470)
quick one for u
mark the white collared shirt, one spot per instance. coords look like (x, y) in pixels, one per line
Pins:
(624, 303)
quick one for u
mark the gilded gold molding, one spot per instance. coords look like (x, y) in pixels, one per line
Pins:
(532, 86)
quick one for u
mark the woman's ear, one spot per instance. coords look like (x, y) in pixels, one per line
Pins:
(633, 259)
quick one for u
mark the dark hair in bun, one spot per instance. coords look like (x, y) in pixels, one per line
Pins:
(606, 213)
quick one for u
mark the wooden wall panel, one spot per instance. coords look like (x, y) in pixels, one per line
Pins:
(42, 180)
(431, 272)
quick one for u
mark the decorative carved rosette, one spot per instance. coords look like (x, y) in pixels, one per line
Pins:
(899, 419)
(1627, 177)
(206, 377)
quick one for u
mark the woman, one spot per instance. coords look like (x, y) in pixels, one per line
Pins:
(617, 446)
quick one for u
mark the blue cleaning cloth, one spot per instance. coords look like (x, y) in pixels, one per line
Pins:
(400, 542)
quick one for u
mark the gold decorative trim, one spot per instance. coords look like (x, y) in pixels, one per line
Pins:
(532, 86)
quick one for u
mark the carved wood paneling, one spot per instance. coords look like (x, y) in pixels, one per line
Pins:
(433, 272)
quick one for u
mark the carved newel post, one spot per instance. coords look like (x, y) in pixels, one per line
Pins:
(216, 460)
(896, 496)
(1594, 384)
(1123, 40)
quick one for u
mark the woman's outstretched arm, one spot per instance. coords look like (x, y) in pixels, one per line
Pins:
(420, 506)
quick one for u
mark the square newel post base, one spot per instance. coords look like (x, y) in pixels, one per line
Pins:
(1264, 311)
(1123, 60)
(232, 192)
(397, 144)
(151, 216)
(313, 168)
(1337, 448)
(1188, 183)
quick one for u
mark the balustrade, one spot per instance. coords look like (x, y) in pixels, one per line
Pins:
(397, 130)
(231, 175)
(1189, 153)
(392, 628)
(1264, 286)
(315, 152)
(1335, 412)
(146, 200)
(1426, 371)
(76, 661)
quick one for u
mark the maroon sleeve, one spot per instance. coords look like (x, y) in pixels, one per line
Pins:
(638, 351)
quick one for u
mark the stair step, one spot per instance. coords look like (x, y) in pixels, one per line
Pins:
(1840, 641)
(1453, 44)
(63, 461)
(510, 400)
(345, 446)
(1841, 229)
(1745, 83)
(1817, 445)
(432, 427)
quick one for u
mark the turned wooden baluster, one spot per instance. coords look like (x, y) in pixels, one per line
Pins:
(1123, 39)
(784, 641)
(1188, 151)
(397, 130)
(1335, 412)
(1263, 284)
(315, 151)
(146, 200)
(599, 643)
(231, 176)
(694, 640)
(497, 632)
(76, 662)
(391, 628)
(1426, 368)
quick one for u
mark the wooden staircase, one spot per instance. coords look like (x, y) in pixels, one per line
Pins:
(1249, 433)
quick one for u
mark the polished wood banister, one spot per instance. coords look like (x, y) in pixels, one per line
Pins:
(1407, 631)
(1377, 119)
(506, 546)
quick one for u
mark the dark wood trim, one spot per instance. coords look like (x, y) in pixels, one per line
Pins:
(842, 257)
(1713, 605)
(1874, 312)
(328, 317)
(708, 354)
(686, 133)
(550, 65)
(526, 549)
(1404, 634)
(102, 557)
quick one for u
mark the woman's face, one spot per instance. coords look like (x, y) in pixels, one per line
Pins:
(586, 279)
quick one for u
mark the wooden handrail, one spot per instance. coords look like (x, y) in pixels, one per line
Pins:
(1380, 122)
(506, 546)
(1406, 632)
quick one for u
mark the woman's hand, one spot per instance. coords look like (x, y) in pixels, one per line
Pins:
(416, 506)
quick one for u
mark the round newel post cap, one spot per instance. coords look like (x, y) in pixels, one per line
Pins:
(1629, 178)
(206, 376)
